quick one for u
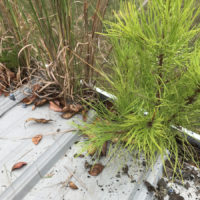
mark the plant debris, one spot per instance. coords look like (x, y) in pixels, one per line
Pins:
(149, 186)
(67, 115)
(125, 169)
(53, 106)
(40, 102)
(104, 149)
(18, 165)
(75, 108)
(41, 121)
(36, 87)
(29, 100)
(6, 77)
(78, 155)
(96, 169)
(72, 185)
(84, 115)
(175, 196)
(37, 139)
(87, 165)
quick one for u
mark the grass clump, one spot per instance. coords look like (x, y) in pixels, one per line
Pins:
(13, 37)
(155, 78)
(56, 41)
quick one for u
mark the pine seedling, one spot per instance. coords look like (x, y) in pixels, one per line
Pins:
(155, 78)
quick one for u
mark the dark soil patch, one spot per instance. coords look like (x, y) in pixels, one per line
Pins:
(186, 177)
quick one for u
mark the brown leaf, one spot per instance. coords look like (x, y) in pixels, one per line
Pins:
(40, 102)
(29, 100)
(96, 169)
(66, 108)
(36, 139)
(54, 107)
(42, 121)
(72, 185)
(18, 165)
(67, 115)
(75, 108)
(10, 75)
(33, 107)
(57, 102)
(84, 115)
(36, 87)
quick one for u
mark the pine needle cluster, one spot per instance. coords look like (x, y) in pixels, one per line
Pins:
(155, 78)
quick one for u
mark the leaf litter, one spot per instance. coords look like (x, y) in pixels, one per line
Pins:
(29, 100)
(96, 169)
(67, 115)
(41, 121)
(72, 185)
(37, 139)
(53, 106)
(18, 165)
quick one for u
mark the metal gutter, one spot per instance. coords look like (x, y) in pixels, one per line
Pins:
(23, 184)
(20, 188)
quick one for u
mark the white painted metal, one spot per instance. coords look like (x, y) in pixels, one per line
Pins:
(16, 146)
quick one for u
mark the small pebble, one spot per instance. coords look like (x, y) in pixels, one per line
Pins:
(12, 97)
(170, 190)
(24, 105)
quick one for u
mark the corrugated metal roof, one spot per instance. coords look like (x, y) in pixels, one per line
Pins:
(52, 155)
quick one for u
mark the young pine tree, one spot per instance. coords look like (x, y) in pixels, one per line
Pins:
(155, 78)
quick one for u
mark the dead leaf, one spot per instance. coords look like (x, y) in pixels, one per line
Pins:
(36, 139)
(66, 108)
(67, 115)
(57, 102)
(84, 115)
(36, 87)
(53, 106)
(96, 169)
(76, 108)
(42, 121)
(40, 102)
(18, 165)
(72, 185)
(33, 107)
(29, 100)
